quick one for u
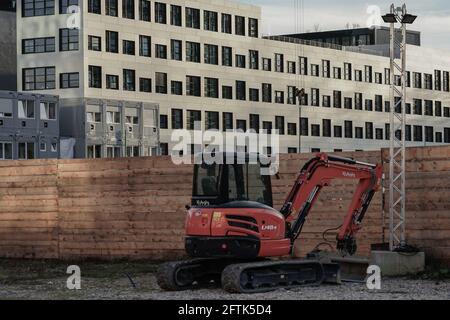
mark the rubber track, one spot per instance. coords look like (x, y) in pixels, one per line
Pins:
(166, 274)
(231, 275)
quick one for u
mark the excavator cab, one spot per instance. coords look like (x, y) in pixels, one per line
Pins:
(240, 181)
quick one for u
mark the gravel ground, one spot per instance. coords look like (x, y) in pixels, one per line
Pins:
(19, 280)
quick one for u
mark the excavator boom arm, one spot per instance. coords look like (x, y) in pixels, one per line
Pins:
(318, 173)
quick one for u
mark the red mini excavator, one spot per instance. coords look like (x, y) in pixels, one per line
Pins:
(233, 234)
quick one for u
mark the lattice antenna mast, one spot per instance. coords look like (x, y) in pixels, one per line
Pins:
(397, 154)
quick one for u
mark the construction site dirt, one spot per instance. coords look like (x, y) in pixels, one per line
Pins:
(43, 279)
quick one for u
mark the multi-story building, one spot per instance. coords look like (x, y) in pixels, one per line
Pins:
(206, 60)
(29, 126)
(8, 50)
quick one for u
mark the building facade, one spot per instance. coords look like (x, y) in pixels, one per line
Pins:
(8, 48)
(207, 61)
(29, 126)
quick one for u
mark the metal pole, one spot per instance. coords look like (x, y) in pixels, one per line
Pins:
(391, 135)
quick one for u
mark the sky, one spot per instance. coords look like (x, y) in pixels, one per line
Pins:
(284, 16)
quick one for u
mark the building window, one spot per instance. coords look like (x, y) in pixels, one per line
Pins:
(111, 8)
(369, 105)
(326, 101)
(68, 39)
(227, 56)
(358, 75)
(387, 76)
(240, 61)
(64, 5)
(177, 88)
(439, 137)
(337, 99)
(348, 127)
(211, 120)
(160, 12)
(112, 41)
(144, 11)
(253, 94)
(304, 66)
(428, 81)
(348, 103)
(128, 9)
(227, 121)
(241, 125)
(240, 90)
(161, 51)
(429, 134)
(267, 126)
(337, 73)
(314, 70)
(38, 45)
(447, 112)
(112, 82)
(211, 54)
(253, 27)
(6, 151)
(347, 71)
(445, 81)
(176, 50)
(239, 25)
(337, 131)
(193, 86)
(279, 62)
(164, 147)
(369, 130)
(378, 78)
(279, 124)
(94, 43)
(210, 20)
(33, 8)
(94, 6)
(326, 68)
(417, 80)
(39, 78)
(304, 127)
(192, 18)
(175, 15)
(129, 47)
(26, 151)
(177, 119)
(161, 82)
(428, 108)
(438, 108)
(94, 151)
(358, 101)
(267, 64)
(145, 45)
(193, 52)
(254, 122)
(378, 103)
(292, 129)
(379, 134)
(368, 74)
(315, 130)
(254, 59)
(69, 80)
(326, 127)
(315, 97)
(279, 97)
(193, 116)
(358, 132)
(267, 92)
(418, 134)
(226, 23)
(26, 109)
(227, 92)
(447, 135)
(418, 106)
(437, 80)
(212, 87)
(291, 98)
(163, 121)
(291, 67)
(129, 80)
(113, 117)
(145, 85)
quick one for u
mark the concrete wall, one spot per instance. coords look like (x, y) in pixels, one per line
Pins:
(134, 208)
(8, 52)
